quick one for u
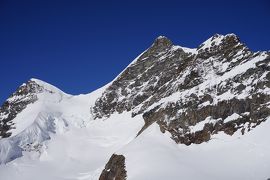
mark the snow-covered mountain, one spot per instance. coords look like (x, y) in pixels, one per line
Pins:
(173, 113)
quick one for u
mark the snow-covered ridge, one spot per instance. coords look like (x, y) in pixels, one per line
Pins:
(168, 67)
(51, 111)
(48, 86)
(201, 89)
(25, 104)
(168, 83)
(216, 40)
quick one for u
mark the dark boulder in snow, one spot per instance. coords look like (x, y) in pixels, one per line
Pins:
(114, 169)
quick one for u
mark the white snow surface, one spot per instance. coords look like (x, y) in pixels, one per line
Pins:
(154, 155)
(77, 153)
(232, 117)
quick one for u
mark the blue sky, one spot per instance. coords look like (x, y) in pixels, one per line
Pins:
(79, 46)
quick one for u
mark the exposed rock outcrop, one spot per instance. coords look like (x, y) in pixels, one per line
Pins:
(181, 88)
(114, 169)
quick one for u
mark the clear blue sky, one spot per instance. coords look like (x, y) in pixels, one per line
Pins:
(79, 46)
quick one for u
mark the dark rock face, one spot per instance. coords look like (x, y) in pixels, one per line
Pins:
(221, 86)
(148, 75)
(18, 101)
(114, 169)
(180, 126)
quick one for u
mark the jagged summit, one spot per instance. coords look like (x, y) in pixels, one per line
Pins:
(38, 81)
(164, 64)
(214, 40)
(215, 43)
(190, 80)
(223, 45)
(162, 39)
(219, 40)
(45, 85)
(217, 35)
(31, 92)
(161, 43)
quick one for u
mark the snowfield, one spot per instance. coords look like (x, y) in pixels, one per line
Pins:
(155, 155)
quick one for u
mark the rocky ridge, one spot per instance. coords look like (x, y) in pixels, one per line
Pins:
(193, 93)
(23, 96)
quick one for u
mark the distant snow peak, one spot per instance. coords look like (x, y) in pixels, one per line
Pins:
(161, 37)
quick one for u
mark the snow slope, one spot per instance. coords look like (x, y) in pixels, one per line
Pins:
(155, 155)
(78, 153)
(60, 140)
(53, 112)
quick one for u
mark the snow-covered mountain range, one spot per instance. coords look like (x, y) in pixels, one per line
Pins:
(173, 113)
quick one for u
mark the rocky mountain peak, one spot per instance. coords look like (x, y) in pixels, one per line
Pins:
(178, 89)
(161, 43)
(219, 39)
(46, 86)
(31, 86)
(26, 94)
(223, 46)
